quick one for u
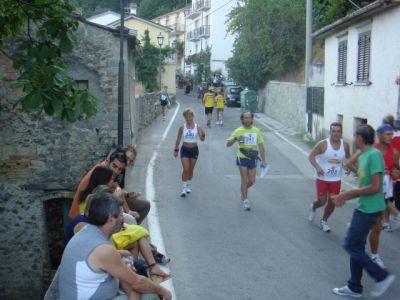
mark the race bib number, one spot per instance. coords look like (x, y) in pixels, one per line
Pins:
(163, 97)
(250, 139)
(332, 172)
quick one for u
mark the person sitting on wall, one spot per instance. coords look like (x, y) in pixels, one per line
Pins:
(91, 266)
(135, 201)
(135, 244)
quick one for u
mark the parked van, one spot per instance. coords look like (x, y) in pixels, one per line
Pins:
(232, 95)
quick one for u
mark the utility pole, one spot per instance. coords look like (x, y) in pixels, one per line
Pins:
(121, 78)
(308, 61)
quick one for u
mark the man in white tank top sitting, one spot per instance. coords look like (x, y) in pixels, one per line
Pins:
(328, 157)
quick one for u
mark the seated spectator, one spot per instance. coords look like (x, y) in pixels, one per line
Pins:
(91, 266)
(137, 243)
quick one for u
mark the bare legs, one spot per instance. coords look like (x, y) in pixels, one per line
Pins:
(329, 208)
(248, 178)
(188, 165)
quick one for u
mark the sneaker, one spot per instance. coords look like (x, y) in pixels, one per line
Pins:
(323, 225)
(311, 214)
(381, 286)
(188, 190)
(378, 260)
(386, 227)
(183, 193)
(346, 291)
(246, 204)
(217, 123)
(161, 259)
(221, 123)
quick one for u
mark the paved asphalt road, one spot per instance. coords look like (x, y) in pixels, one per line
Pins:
(219, 251)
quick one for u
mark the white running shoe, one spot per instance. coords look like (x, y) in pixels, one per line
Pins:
(378, 260)
(217, 123)
(183, 193)
(381, 286)
(188, 190)
(386, 227)
(323, 225)
(311, 214)
(221, 123)
(346, 291)
(246, 204)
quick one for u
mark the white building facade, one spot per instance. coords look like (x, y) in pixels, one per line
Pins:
(204, 24)
(362, 67)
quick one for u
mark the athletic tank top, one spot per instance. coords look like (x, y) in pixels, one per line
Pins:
(209, 101)
(77, 279)
(331, 161)
(220, 101)
(388, 159)
(190, 134)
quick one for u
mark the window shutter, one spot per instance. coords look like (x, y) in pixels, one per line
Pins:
(364, 51)
(342, 62)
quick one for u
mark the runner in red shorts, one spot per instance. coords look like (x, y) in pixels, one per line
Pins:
(328, 157)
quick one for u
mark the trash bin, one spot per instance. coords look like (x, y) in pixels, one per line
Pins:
(248, 100)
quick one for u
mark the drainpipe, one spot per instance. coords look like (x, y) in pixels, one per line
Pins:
(308, 57)
(121, 78)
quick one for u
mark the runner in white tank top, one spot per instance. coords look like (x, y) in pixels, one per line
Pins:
(328, 157)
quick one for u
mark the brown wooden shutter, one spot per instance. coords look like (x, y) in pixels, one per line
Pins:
(342, 62)
(364, 53)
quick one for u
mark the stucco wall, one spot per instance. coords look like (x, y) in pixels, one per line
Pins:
(359, 101)
(284, 101)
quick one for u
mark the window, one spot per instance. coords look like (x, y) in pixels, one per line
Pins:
(342, 62)
(364, 51)
(82, 84)
(339, 119)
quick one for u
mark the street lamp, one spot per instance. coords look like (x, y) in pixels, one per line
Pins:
(160, 40)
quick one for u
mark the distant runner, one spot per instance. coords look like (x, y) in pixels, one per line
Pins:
(164, 101)
(220, 104)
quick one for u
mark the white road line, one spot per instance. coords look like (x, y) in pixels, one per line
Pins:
(152, 217)
(295, 146)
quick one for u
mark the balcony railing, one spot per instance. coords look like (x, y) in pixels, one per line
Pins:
(177, 29)
(197, 33)
(198, 7)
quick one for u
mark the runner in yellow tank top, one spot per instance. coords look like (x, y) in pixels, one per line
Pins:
(220, 103)
(208, 101)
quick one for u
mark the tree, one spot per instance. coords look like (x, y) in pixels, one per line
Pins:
(149, 9)
(148, 61)
(270, 39)
(41, 31)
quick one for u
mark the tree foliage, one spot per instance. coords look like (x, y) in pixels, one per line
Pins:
(270, 39)
(148, 60)
(271, 35)
(92, 7)
(328, 11)
(41, 32)
(202, 61)
(150, 9)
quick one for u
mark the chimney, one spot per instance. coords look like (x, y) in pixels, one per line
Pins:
(131, 9)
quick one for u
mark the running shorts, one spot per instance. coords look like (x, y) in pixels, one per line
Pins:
(164, 102)
(327, 187)
(208, 110)
(250, 163)
(189, 152)
(220, 110)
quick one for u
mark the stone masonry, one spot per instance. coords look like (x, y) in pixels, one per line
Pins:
(42, 159)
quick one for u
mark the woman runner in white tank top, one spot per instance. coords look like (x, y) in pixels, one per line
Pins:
(189, 133)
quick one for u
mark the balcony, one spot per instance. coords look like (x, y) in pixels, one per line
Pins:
(198, 33)
(203, 5)
(177, 29)
(204, 31)
(197, 8)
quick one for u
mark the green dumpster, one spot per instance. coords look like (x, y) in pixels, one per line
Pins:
(248, 100)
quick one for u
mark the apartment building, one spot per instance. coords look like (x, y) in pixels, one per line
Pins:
(204, 26)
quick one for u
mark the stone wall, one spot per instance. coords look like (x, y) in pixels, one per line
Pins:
(42, 158)
(285, 102)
